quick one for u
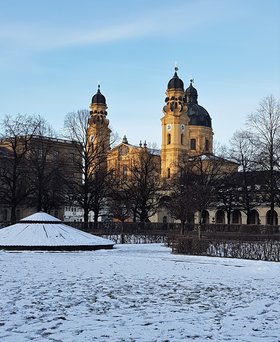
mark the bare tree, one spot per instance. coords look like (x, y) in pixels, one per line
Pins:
(46, 165)
(264, 126)
(227, 195)
(243, 152)
(144, 184)
(182, 201)
(16, 134)
(208, 173)
(119, 200)
(88, 188)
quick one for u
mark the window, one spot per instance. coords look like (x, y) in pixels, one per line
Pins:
(182, 139)
(206, 145)
(5, 214)
(193, 144)
(168, 173)
(125, 172)
(168, 139)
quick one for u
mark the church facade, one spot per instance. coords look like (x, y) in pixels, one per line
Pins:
(186, 132)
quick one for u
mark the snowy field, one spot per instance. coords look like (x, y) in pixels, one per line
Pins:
(137, 293)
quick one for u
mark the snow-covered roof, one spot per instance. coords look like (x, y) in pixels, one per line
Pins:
(42, 231)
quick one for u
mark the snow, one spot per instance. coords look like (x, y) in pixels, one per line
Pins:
(40, 217)
(137, 293)
(41, 229)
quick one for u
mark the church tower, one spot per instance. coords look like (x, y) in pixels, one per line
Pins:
(98, 133)
(186, 126)
(174, 127)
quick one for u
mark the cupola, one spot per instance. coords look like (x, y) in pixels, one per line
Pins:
(98, 97)
(175, 82)
(191, 94)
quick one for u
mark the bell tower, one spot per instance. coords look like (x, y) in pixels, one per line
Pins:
(98, 133)
(174, 127)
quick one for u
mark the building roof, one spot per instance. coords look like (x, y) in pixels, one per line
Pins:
(198, 115)
(175, 82)
(42, 231)
(98, 97)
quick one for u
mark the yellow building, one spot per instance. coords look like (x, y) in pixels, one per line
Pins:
(186, 130)
(186, 126)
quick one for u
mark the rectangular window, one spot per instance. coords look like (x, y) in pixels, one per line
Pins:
(207, 145)
(125, 172)
(168, 139)
(168, 173)
(193, 144)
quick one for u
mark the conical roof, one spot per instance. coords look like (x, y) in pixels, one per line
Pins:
(42, 231)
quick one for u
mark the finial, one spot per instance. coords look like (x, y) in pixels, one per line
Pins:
(192, 80)
(176, 66)
(145, 144)
(125, 141)
(140, 144)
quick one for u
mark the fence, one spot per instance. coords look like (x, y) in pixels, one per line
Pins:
(238, 241)
(232, 241)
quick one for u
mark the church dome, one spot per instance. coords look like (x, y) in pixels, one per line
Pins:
(175, 82)
(197, 114)
(98, 97)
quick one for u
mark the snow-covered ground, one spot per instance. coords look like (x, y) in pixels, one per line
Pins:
(137, 293)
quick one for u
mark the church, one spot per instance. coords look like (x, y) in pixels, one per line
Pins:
(186, 129)
(186, 132)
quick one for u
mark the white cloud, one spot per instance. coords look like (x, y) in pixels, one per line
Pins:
(166, 21)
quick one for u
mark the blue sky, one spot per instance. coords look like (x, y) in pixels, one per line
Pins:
(54, 53)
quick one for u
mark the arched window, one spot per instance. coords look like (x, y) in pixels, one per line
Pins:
(168, 139)
(164, 219)
(254, 217)
(274, 217)
(193, 144)
(182, 139)
(168, 173)
(236, 217)
(220, 216)
(205, 216)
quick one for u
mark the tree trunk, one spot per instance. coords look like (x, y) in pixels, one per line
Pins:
(182, 227)
(228, 217)
(85, 218)
(13, 214)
